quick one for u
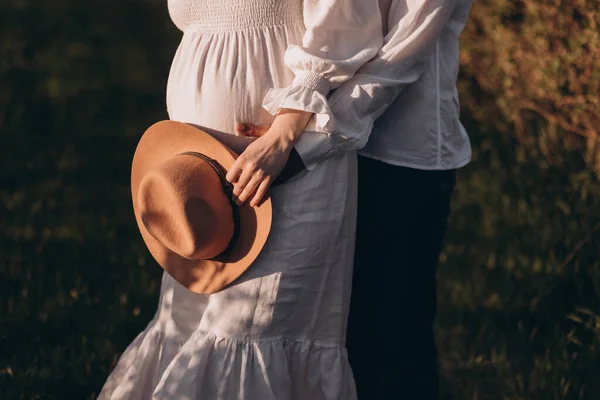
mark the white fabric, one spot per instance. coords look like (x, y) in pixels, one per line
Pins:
(402, 106)
(341, 35)
(279, 331)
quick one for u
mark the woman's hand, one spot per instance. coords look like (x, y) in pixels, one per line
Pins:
(257, 167)
(263, 160)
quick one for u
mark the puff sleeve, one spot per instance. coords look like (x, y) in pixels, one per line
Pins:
(341, 36)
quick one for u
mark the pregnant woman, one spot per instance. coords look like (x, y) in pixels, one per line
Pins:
(278, 331)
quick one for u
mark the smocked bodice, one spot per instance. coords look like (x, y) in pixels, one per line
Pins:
(233, 15)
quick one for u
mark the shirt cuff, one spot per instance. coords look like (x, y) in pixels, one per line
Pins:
(312, 81)
(307, 93)
(313, 147)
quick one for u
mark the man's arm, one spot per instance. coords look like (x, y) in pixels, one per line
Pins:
(414, 29)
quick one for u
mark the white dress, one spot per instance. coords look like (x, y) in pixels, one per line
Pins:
(278, 333)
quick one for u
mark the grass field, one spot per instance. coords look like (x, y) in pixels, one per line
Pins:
(520, 275)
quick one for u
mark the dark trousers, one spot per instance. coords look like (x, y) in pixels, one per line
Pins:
(402, 220)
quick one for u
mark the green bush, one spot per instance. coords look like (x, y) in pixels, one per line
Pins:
(536, 64)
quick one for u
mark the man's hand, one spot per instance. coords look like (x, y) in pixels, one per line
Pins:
(250, 130)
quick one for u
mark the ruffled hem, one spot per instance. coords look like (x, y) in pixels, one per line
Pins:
(298, 97)
(211, 367)
(141, 366)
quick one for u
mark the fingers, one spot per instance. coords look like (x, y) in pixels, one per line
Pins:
(249, 189)
(249, 175)
(234, 171)
(244, 129)
(240, 185)
(251, 130)
(251, 184)
(261, 192)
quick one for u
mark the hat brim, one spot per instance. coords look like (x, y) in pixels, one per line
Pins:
(166, 139)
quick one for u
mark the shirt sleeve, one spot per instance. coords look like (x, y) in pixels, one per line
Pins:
(341, 35)
(414, 28)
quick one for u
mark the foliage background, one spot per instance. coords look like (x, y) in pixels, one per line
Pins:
(520, 276)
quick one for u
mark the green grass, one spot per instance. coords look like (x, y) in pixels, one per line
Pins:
(520, 276)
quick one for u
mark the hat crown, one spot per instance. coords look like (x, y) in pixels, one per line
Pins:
(183, 206)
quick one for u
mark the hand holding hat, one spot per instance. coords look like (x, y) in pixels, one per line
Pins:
(184, 210)
(263, 161)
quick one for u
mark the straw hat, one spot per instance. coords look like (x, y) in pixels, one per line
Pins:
(184, 210)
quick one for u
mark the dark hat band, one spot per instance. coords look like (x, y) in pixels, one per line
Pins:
(228, 189)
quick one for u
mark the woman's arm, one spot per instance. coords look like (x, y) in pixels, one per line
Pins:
(341, 35)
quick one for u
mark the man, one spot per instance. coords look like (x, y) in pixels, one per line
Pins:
(402, 110)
